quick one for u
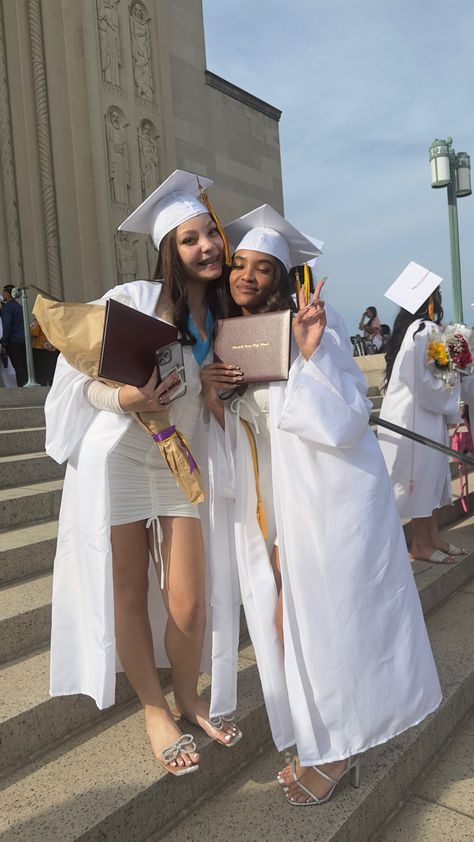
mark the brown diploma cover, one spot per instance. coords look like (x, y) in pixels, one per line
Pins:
(129, 343)
(259, 344)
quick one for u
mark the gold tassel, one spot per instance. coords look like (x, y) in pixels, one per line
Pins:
(307, 283)
(297, 285)
(261, 517)
(207, 203)
(431, 309)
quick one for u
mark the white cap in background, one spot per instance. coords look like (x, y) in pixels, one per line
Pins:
(413, 287)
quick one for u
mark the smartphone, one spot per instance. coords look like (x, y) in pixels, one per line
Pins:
(169, 358)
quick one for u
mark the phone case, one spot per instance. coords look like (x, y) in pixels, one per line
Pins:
(169, 359)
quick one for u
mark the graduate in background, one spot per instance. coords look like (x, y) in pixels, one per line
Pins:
(122, 512)
(419, 399)
(330, 599)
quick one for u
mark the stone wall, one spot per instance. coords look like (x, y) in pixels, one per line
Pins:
(100, 100)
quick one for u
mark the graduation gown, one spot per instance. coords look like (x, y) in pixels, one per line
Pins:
(417, 400)
(356, 668)
(83, 658)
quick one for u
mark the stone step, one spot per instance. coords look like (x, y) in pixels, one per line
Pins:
(24, 440)
(252, 806)
(30, 396)
(29, 504)
(26, 705)
(14, 418)
(105, 784)
(32, 722)
(27, 551)
(25, 616)
(23, 469)
(441, 807)
(376, 402)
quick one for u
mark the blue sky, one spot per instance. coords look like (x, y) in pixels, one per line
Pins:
(364, 88)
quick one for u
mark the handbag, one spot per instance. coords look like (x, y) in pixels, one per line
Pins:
(463, 443)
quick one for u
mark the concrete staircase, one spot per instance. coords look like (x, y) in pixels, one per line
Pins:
(70, 772)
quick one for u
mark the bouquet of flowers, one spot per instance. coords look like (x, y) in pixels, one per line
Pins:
(460, 353)
(448, 354)
(439, 360)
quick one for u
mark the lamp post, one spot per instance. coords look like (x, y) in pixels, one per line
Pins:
(453, 171)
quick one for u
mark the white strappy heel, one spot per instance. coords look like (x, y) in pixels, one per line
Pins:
(353, 768)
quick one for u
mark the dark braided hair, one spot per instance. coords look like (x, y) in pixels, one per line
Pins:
(170, 269)
(402, 323)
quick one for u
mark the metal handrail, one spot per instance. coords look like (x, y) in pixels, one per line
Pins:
(20, 292)
(39, 289)
(421, 439)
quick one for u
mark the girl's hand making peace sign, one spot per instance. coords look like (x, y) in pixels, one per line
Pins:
(310, 322)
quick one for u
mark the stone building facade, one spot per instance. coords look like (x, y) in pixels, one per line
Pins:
(100, 100)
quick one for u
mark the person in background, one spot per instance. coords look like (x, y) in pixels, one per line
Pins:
(14, 334)
(419, 400)
(45, 356)
(385, 333)
(7, 372)
(370, 324)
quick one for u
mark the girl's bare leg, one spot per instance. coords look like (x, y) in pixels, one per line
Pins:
(133, 634)
(275, 562)
(434, 533)
(185, 599)
(426, 537)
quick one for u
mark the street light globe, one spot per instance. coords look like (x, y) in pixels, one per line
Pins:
(439, 159)
(463, 174)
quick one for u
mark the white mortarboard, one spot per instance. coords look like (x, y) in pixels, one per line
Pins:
(413, 287)
(319, 244)
(173, 202)
(265, 230)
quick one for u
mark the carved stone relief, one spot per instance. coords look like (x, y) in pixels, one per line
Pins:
(152, 257)
(109, 33)
(117, 149)
(148, 150)
(125, 250)
(141, 51)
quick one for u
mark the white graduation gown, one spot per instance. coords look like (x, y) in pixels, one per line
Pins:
(419, 401)
(83, 658)
(467, 394)
(357, 666)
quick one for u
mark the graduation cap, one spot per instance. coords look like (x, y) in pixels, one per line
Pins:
(179, 198)
(265, 230)
(413, 287)
(319, 244)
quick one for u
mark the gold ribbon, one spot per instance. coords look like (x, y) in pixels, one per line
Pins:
(261, 517)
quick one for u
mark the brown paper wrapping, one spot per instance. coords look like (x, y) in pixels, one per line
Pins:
(76, 330)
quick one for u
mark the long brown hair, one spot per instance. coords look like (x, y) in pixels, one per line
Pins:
(169, 268)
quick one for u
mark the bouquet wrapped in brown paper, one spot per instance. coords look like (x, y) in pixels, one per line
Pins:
(77, 330)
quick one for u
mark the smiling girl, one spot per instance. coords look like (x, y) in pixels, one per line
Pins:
(330, 599)
(120, 498)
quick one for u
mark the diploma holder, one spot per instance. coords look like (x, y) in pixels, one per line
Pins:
(260, 345)
(129, 343)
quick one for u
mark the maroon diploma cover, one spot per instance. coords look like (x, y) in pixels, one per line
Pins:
(130, 342)
(259, 344)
